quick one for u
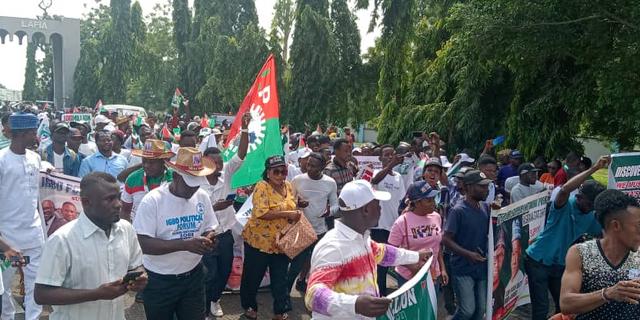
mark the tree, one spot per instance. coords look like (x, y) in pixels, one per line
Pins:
(313, 58)
(181, 33)
(282, 24)
(118, 61)
(44, 82)
(349, 62)
(30, 89)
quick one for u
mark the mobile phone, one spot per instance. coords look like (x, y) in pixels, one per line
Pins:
(15, 261)
(231, 196)
(132, 276)
(480, 251)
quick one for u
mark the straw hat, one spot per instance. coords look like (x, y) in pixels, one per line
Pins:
(192, 166)
(121, 120)
(154, 149)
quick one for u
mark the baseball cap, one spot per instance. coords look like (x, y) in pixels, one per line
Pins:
(526, 168)
(475, 177)
(516, 154)
(61, 126)
(445, 162)
(421, 190)
(215, 131)
(275, 161)
(204, 132)
(461, 172)
(305, 154)
(433, 161)
(466, 158)
(358, 193)
(101, 119)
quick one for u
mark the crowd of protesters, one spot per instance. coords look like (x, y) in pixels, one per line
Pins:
(157, 219)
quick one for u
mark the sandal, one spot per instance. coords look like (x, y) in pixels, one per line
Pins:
(249, 314)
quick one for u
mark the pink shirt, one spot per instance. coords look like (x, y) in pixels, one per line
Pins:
(424, 232)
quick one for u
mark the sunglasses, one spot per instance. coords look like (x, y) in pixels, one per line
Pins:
(282, 172)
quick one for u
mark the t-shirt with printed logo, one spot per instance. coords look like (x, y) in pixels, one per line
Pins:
(165, 216)
(138, 185)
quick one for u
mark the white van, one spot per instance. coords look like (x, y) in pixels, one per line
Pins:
(126, 110)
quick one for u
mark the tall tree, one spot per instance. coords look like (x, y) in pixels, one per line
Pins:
(30, 89)
(45, 72)
(181, 33)
(313, 59)
(349, 62)
(118, 60)
(138, 36)
(282, 25)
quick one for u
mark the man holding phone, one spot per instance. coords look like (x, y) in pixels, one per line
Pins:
(220, 260)
(87, 258)
(175, 225)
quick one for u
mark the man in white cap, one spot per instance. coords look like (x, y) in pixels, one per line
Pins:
(21, 225)
(333, 294)
(175, 224)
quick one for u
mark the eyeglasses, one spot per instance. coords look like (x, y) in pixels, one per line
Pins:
(282, 172)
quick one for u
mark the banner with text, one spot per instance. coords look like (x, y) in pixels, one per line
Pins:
(624, 173)
(77, 117)
(514, 228)
(416, 299)
(59, 200)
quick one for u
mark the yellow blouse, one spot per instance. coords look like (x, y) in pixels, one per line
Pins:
(260, 233)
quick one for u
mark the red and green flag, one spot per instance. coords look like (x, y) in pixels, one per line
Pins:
(177, 99)
(264, 130)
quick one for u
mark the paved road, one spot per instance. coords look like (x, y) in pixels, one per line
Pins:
(231, 306)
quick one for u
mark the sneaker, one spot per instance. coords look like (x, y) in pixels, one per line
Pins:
(216, 309)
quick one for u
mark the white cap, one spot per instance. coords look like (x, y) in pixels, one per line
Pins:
(193, 181)
(465, 158)
(445, 162)
(204, 132)
(101, 119)
(358, 193)
(215, 131)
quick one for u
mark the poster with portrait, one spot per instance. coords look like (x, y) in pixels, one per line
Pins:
(514, 228)
(59, 200)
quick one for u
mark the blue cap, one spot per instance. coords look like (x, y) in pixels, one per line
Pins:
(23, 120)
(421, 190)
(516, 154)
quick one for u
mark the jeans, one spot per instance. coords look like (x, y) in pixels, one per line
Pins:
(181, 296)
(381, 236)
(447, 291)
(471, 296)
(32, 310)
(297, 264)
(253, 268)
(218, 263)
(543, 279)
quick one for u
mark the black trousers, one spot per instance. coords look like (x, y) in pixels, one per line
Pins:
(381, 236)
(218, 263)
(542, 280)
(254, 266)
(179, 296)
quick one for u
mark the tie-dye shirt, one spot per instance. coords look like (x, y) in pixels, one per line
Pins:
(343, 267)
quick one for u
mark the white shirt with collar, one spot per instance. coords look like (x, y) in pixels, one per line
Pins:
(332, 293)
(21, 224)
(79, 255)
(220, 191)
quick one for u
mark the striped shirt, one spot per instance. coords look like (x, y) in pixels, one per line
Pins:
(135, 187)
(342, 175)
(343, 267)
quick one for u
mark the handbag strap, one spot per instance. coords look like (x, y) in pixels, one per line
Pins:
(406, 230)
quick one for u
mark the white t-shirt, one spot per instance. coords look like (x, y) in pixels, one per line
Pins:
(292, 172)
(19, 190)
(318, 193)
(394, 184)
(164, 216)
(88, 148)
(58, 162)
(220, 191)
(521, 191)
(208, 142)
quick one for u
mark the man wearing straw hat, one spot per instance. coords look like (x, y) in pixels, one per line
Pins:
(152, 174)
(175, 224)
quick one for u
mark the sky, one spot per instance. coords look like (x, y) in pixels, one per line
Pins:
(13, 56)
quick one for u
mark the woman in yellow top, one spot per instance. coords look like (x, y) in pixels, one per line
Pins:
(274, 206)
